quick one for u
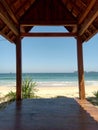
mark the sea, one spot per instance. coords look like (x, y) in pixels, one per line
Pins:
(50, 79)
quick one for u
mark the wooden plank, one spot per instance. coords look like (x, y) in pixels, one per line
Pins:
(80, 69)
(89, 108)
(49, 114)
(48, 23)
(48, 34)
(89, 7)
(26, 5)
(5, 18)
(10, 12)
(18, 69)
(89, 19)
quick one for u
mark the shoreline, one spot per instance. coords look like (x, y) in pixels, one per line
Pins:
(54, 91)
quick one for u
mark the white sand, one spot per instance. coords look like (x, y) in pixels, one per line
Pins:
(48, 92)
(4, 90)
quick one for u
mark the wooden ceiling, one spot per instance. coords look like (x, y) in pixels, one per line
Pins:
(77, 16)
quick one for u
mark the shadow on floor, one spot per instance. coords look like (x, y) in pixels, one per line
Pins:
(47, 114)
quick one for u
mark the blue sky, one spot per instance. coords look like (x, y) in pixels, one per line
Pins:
(48, 54)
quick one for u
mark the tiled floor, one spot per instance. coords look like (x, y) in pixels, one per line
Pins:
(49, 114)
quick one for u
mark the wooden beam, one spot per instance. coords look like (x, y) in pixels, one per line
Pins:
(48, 23)
(5, 36)
(91, 35)
(80, 69)
(89, 7)
(22, 29)
(18, 69)
(7, 20)
(5, 29)
(25, 4)
(48, 34)
(10, 12)
(75, 28)
(89, 19)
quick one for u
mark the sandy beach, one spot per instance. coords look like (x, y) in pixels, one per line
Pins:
(49, 92)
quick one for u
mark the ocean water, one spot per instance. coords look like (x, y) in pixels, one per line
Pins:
(51, 79)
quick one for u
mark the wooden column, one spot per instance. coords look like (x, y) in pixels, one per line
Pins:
(18, 69)
(80, 69)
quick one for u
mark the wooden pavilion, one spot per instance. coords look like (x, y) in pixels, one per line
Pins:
(79, 17)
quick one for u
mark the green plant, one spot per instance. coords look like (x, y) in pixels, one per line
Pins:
(28, 91)
(11, 96)
(95, 94)
(28, 88)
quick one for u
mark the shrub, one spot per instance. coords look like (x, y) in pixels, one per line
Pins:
(28, 90)
(11, 96)
(95, 94)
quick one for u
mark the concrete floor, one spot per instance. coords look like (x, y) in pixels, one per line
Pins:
(49, 114)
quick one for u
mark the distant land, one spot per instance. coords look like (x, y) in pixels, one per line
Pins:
(50, 72)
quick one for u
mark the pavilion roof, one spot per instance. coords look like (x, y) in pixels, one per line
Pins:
(77, 16)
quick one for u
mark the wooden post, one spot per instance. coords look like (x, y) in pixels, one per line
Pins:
(80, 69)
(18, 69)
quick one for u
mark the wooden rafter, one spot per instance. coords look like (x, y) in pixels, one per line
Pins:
(29, 13)
(10, 12)
(22, 29)
(74, 29)
(48, 34)
(89, 19)
(82, 17)
(4, 29)
(91, 35)
(9, 34)
(25, 3)
(4, 35)
(7, 20)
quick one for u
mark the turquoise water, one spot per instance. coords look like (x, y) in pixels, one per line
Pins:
(50, 79)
